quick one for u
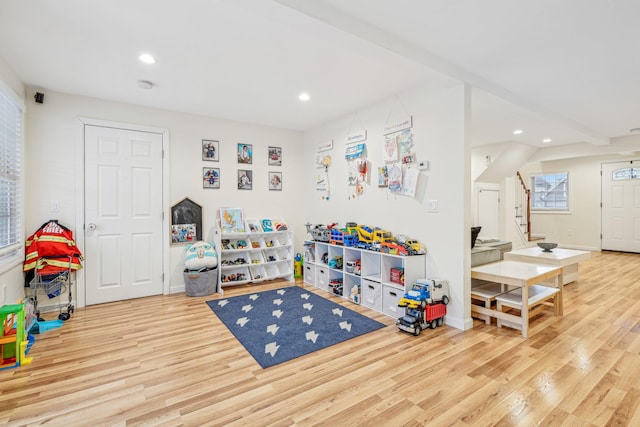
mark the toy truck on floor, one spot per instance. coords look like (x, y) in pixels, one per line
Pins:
(419, 318)
(438, 289)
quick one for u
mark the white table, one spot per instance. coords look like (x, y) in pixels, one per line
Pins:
(568, 259)
(518, 274)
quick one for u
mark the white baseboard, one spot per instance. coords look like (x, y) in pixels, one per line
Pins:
(176, 289)
(458, 323)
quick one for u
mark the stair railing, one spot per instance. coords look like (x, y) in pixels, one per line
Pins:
(523, 206)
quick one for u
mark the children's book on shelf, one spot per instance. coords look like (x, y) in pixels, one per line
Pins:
(254, 226)
(279, 225)
(231, 220)
(267, 225)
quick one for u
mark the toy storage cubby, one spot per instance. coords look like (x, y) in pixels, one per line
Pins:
(252, 257)
(369, 272)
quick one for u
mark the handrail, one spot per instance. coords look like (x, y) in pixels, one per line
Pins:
(528, 193)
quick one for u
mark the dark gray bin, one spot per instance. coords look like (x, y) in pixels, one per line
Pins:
(200, 283)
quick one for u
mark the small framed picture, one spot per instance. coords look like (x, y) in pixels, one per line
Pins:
(245, 179)
(210, 150)
(210, 178)
(275, 156)
(245, 153)
(275, 181)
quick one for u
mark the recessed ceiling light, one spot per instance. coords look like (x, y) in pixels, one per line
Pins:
(147, 59)
(304, 97)
(546, 140)
(145, 84)
(517, 131)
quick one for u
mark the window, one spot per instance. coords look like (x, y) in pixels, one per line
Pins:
(626, 174)
(550, 192)
(10, 182)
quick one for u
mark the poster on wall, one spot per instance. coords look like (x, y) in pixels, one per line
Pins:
(383, 176)
(394, 182)
(409, 181)
(390, 150)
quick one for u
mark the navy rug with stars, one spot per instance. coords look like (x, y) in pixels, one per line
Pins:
(282, 324)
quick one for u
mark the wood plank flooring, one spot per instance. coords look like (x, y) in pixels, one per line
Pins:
(168, 360)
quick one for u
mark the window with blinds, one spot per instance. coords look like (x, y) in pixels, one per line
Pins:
(10, 184)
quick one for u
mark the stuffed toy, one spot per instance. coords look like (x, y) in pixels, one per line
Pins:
(200, 255)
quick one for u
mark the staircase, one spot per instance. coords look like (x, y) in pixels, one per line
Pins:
(523, 209)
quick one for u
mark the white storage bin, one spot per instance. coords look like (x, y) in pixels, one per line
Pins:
(322, 278)
(391, 295)
(372, 294)
(310, 274)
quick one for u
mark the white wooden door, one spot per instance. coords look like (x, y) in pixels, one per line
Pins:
(489, 212)
(621, 206)
(123, 214)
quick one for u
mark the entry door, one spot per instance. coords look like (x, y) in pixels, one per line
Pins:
(123, 214)
(621, 206)
(489, 212)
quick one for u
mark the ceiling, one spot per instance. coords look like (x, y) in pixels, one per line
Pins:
(567, 70)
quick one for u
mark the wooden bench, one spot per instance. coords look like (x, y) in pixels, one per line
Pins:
(540, 296)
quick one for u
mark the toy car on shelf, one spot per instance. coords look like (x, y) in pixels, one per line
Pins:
(419, 318)
(336, 262)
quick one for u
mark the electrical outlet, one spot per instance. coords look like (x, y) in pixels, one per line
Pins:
(423, 165)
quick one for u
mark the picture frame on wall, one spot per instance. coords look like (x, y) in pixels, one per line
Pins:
(210, 178)
(186, 222)
(210, 150)
(245, 179)
(275, 156)
(245, 153)
(275, 181)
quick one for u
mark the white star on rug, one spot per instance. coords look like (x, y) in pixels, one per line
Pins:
(271, 348)
(345, 325)
(312, 336)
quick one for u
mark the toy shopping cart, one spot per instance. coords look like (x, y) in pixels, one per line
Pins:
(51, 258)
(54, 286)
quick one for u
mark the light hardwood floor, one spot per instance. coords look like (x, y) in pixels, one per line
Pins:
(168, 360)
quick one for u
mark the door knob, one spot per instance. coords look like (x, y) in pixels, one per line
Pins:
(91, 226)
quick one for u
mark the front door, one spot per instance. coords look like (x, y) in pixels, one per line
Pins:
(621, 206)
(123, 214)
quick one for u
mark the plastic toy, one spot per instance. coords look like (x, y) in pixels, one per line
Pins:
(336, 236)
(318, 232)
(396, 275)
(350, 240)
(355, 294)
(419, 318)
(417, 297)
(336, 263)
(438, 289)
(393, 248)
(13, 338)
(336, 286)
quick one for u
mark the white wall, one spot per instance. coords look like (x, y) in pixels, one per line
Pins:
(51, 159)
(439, 137)
(580, 227)
(11, 276)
